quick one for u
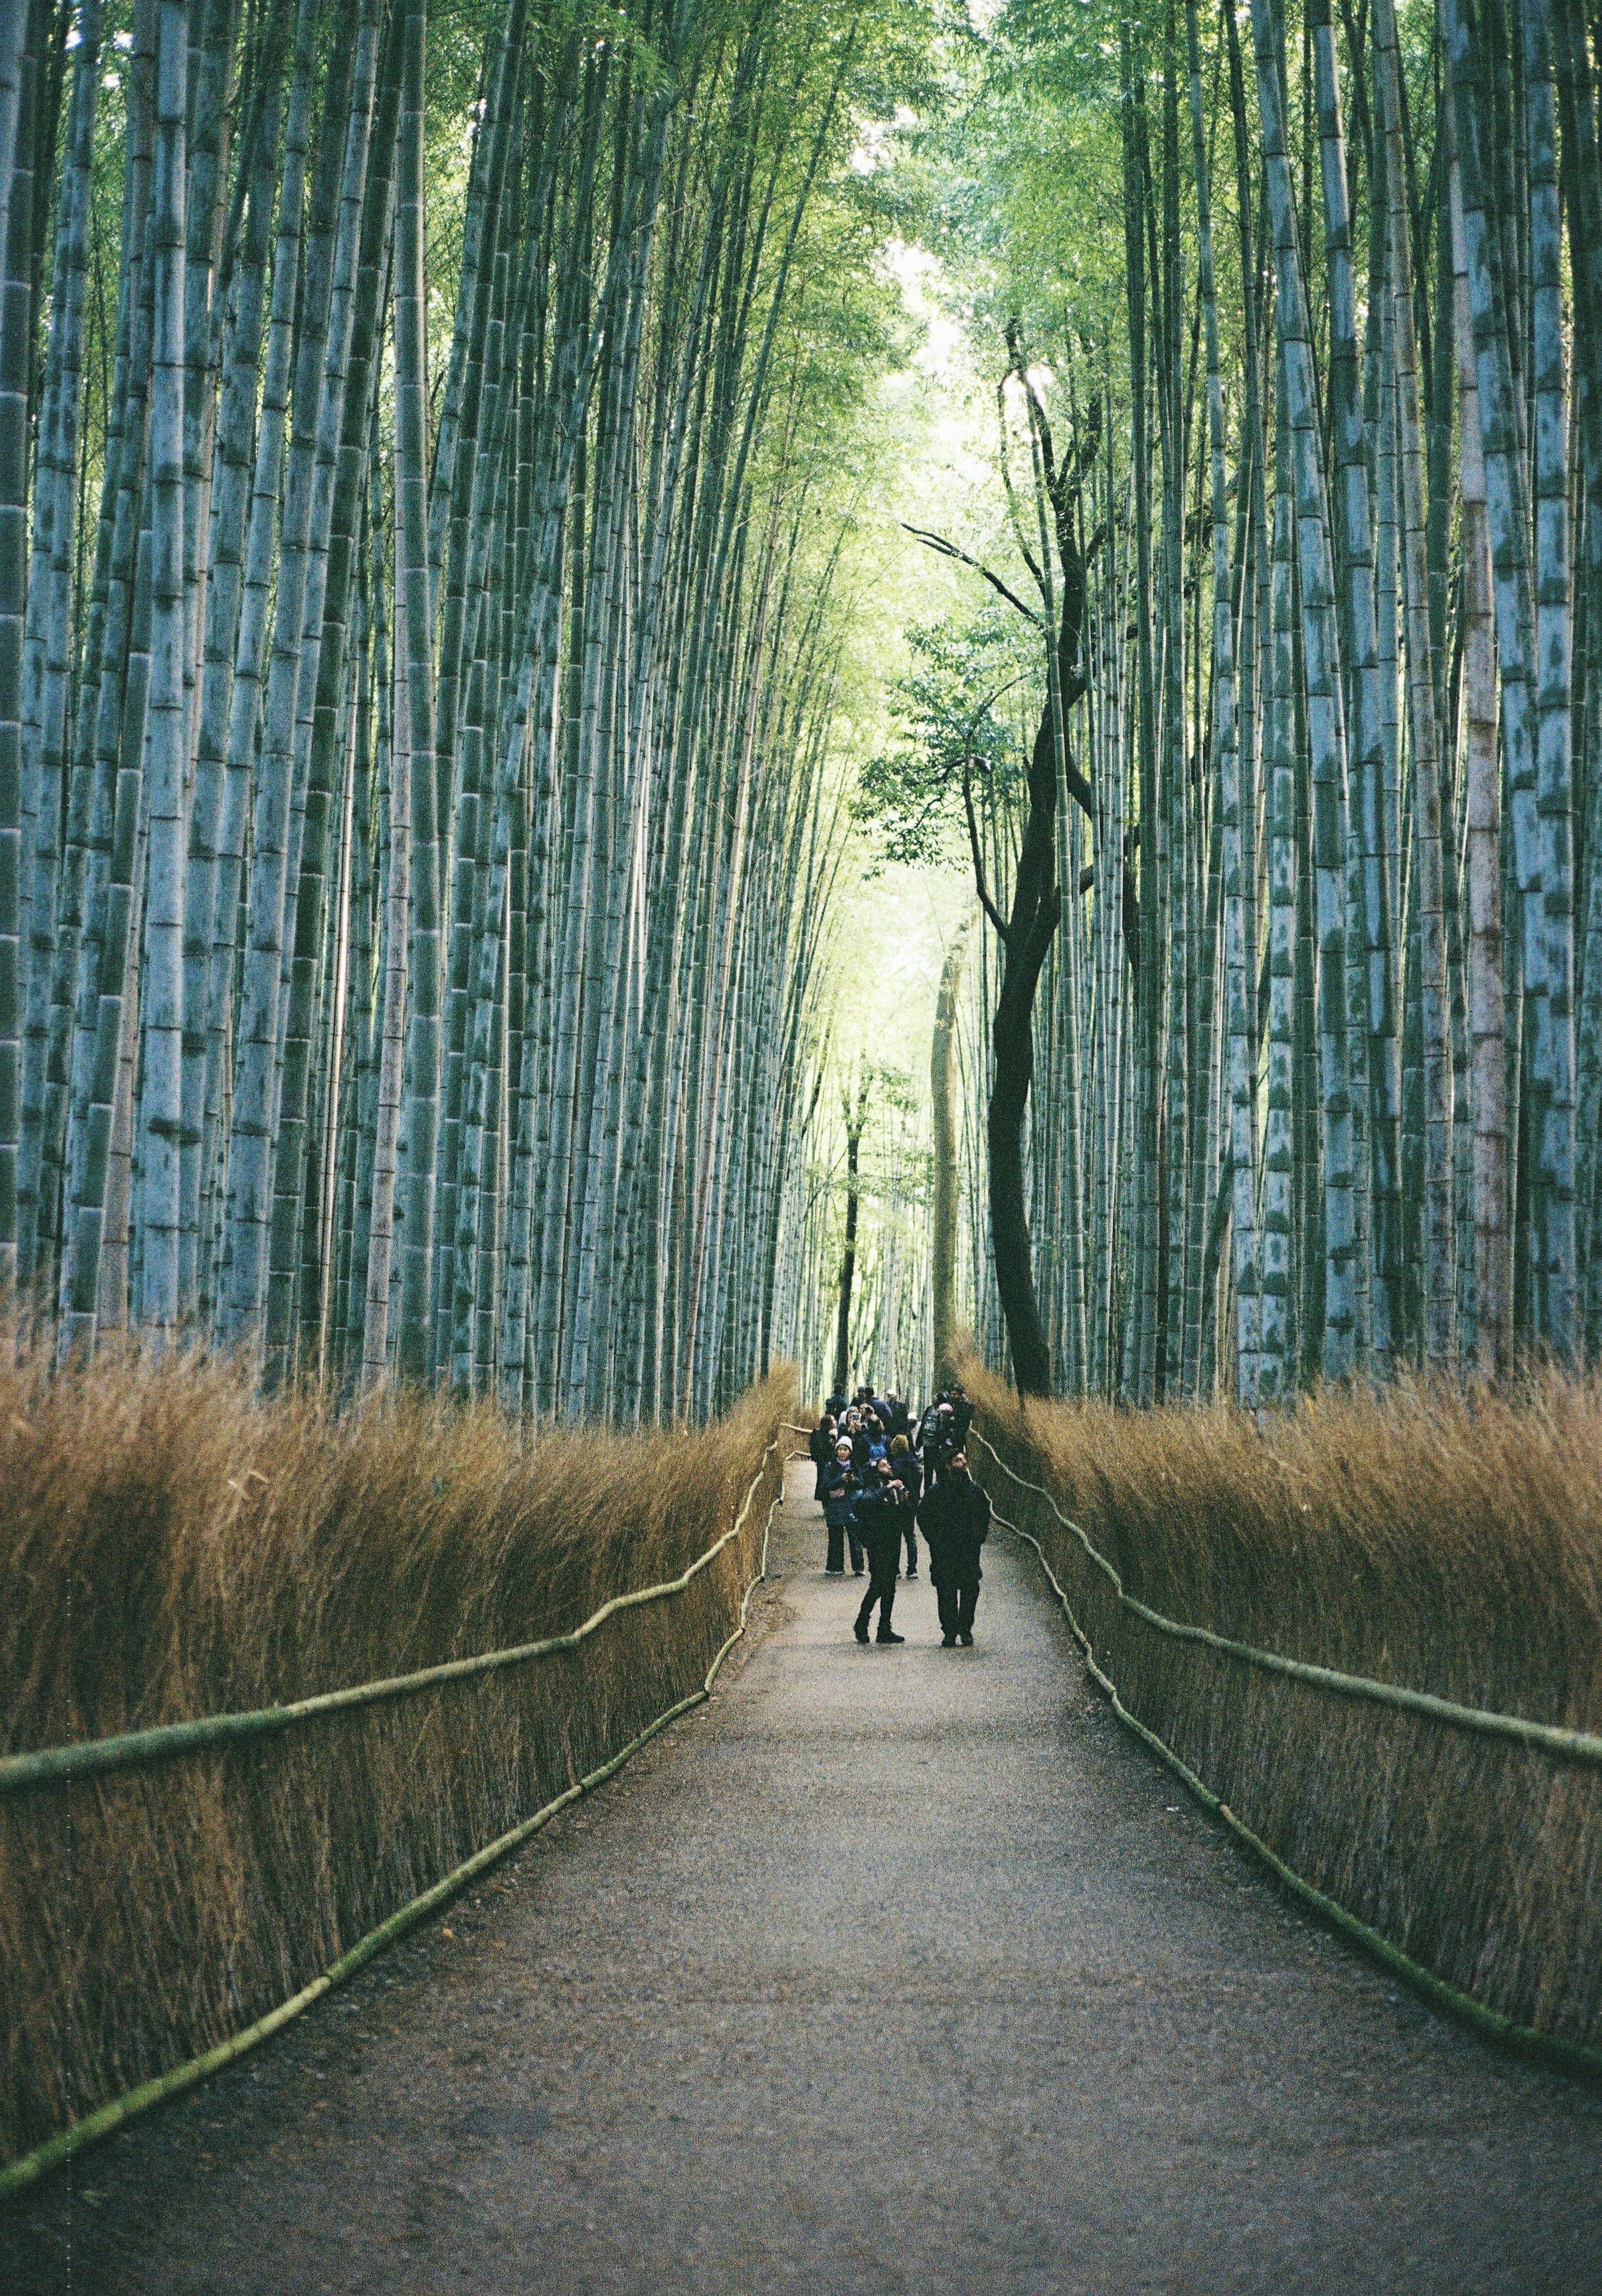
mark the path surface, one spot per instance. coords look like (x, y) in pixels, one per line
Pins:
(891, 1971)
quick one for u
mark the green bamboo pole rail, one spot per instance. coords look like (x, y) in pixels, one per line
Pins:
(55, 1766)
(1573, 2056)
(1569, 1745)
(19, 2174)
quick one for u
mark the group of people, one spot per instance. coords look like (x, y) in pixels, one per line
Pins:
(883, 1476)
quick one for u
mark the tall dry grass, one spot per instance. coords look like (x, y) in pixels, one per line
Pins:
(1449, 1542)
(170, 1546)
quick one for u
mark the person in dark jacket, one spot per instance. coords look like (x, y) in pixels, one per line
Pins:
(841, 1488)
(955, 1522)
(939, 1445)
(878, 1526)
(824, 1436)
(962, 1414)
(908, 1472)
(836, 1406)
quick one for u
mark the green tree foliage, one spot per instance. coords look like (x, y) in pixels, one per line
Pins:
(951, 720)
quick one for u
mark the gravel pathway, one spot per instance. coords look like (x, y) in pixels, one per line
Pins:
(889, 1970)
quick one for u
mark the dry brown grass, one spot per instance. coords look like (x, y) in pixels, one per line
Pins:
(1449, 1542)
(170, 1547)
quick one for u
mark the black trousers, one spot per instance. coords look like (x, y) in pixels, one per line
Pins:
(958, 1600)
(838, 1535)
(909, 1533)
(881, 1589)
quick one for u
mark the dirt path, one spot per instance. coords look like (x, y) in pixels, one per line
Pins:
(889, 1970)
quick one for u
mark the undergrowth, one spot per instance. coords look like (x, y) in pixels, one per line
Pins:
(172, 1547)
(1450, 1541)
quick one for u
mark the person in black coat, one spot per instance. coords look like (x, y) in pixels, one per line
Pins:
(821, 1444)
(939, 1442)
(841, 1489)
(908, 1471)
(923, 1434)
(955, 1522)
(962, 1414)
(878, 1526)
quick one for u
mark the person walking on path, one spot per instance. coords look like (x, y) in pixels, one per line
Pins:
(962, 1413)
(908, 1471)
(841, 1487)
(878, 1526)
(868, 1446)
(955, 1522)
(821, 1444)
(937, 1441)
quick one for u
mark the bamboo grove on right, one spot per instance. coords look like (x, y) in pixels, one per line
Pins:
(1318, 1052)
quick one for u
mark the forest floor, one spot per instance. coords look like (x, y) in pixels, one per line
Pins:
(889, 1970)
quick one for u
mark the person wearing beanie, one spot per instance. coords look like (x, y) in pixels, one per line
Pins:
(841, 1487)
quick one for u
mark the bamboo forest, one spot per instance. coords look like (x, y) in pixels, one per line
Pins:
(685, 683)
(800, 974)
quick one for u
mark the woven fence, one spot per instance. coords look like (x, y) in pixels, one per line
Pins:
(168, 1895)
(1462, 1844)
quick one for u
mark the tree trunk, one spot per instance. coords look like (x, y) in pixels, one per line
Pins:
(943, 1223)
(1320, 689)
(1482, 771)
(854, 1121)
(1423, 726)
(19, 71)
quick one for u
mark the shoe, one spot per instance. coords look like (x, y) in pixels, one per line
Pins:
(834, 1570)
(856, 1570)
(912, 1573)
(948, 1641)
(966, 1641)
(889, 1638)
(860, 1631)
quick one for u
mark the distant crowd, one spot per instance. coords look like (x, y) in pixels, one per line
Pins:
(884, 1476)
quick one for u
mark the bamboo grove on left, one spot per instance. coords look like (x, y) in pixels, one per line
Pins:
(413, 845)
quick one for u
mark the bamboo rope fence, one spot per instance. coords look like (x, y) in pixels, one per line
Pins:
(54, 1770)
(1270, 1772)
(1573, 1745)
